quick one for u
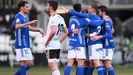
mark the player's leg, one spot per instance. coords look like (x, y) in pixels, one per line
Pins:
(107, 61)
(53, 59)
(88, 65)
(70, 59)
(95, 57)
(24, 57)
(88, 68)
(81, 56)
(68, 67)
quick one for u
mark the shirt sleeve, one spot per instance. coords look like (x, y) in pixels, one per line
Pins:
(69, 29)
(108, 31)
(53, 22)
(82, 15)
(94, 23)
(18, 20)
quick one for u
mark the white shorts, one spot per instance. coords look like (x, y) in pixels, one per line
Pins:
(95, 51)
(76, 52)
(108, 54)
(23, 54)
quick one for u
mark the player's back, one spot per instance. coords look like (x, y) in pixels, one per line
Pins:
(107, 42)
(59, 22)
(22, 39)
(92, 29)
(77, 39)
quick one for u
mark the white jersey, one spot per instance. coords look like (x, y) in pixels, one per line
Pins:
(59, 22)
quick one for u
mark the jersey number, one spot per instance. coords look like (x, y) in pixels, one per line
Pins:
(99, 29)
(60, 28)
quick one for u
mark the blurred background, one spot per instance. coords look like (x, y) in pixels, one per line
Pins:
(121, 11)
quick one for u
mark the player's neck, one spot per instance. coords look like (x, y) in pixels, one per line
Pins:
(104, 16)
(52, 12)
(22, 13)
(93, 13)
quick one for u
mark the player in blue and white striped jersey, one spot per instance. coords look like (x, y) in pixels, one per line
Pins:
(77, 40)
(95, 47)
(22, 38)
(106, 35)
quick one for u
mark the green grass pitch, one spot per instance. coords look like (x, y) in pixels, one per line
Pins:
(45, 71)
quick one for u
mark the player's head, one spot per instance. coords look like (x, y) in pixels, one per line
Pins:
(23, 6)
(77, 7)
(52, 5)
(102, 10)
(92, 8)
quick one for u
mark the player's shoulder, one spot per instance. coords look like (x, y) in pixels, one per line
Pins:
(18, 15)
(95, 16)
(57, 16)
(109, 18)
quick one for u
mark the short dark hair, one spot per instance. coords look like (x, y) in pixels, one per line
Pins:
(53, 4)
(21, 4)
(103, 8)
(77, 7)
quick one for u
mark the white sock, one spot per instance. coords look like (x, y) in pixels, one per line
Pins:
(56, 72)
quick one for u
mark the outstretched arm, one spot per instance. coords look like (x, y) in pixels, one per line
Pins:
(94, 23)
(72, 12)
(75, 13)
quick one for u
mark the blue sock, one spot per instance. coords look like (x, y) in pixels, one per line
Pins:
(23, 70)
(90, 70)
(27, 68)
(104, 70)
(111, 71)
(100, 70)
(17, 72)
(80, 70)
(67, 70)
(85, 71)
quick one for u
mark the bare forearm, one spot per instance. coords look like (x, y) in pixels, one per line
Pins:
(18, 26)
(50, 37)
(33, 29)
(63, 36)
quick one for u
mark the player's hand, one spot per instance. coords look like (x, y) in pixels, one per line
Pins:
(87, 35)
(107, 19)
(64, 9)
(33, 22)
(75, 31)
(42, 33)
(46, 44)
(95, 38)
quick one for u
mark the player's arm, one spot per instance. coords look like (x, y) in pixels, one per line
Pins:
(36, 30)
(104, 36)
(33, 29)
(19, 25)
(64, 34)
(95, 23)
(52, 33)
(75, 13)
(108, 31)
(69, 29)
(113, 30)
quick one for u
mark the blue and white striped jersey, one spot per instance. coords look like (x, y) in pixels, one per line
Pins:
(22, 39)
(92, 28)
(107, 34)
